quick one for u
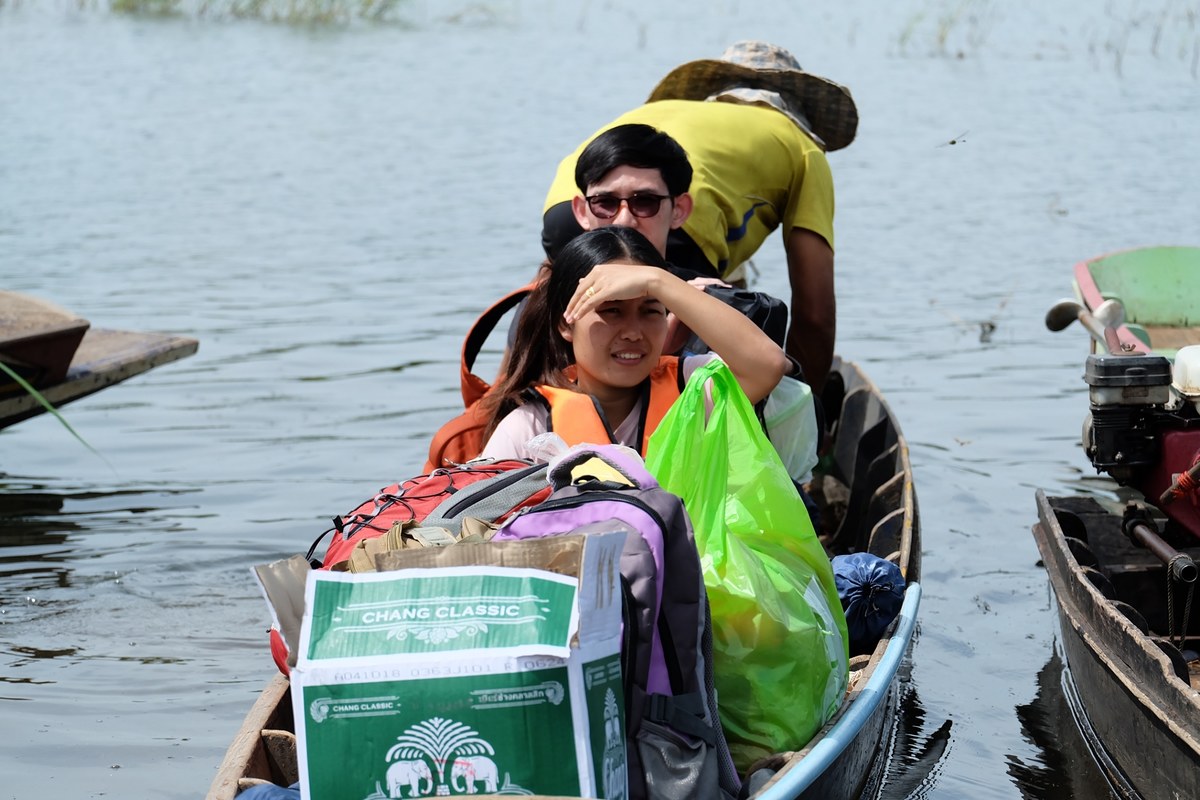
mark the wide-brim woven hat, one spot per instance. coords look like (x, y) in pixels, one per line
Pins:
(827, 106)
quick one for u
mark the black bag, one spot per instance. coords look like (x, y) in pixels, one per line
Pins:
(767, 312)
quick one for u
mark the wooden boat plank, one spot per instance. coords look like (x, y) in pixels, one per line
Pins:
(104, 357)
(1164, 338)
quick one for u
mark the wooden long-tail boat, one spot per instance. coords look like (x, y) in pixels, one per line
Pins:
(1124, 571)
(868, 504)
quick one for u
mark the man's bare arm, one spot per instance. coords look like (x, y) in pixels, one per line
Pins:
(813, 327)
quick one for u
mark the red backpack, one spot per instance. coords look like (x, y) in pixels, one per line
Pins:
(461, 439)
(437, 498)
(492, 490)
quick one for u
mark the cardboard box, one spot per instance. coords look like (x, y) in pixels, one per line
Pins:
(470, 678)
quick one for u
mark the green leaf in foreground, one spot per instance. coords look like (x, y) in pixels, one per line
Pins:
(36, 395)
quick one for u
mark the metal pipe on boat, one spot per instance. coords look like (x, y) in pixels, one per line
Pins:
(1140, 532)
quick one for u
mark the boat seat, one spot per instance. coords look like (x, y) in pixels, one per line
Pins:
(1178, 663)
(887, 537)
(1132, 614)
(868, 502)
(282, 763)
(1080, 551)
(833, 395)
(1100, 581)
(861, 411)
(281, 748)
(1072, 526)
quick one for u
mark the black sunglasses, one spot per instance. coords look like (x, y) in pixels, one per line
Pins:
(607, 206)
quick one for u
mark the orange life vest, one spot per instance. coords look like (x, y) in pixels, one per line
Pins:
(577, 417)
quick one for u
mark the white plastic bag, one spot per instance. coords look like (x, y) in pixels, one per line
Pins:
(791, 418)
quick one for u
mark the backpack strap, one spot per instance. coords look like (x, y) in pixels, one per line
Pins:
(683, 712)
(474, 387)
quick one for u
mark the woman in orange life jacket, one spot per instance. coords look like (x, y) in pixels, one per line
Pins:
(587, 362)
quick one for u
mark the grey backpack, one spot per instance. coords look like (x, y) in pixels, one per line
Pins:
(676, 746)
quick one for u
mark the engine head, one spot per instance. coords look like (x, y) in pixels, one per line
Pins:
(1128, 395)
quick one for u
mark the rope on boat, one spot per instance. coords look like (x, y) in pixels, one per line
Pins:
(1184, 485)
(1187, 608)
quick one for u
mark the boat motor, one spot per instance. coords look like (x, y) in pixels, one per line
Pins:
(1143, 427)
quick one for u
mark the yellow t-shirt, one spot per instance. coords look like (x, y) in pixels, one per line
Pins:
(754, 170)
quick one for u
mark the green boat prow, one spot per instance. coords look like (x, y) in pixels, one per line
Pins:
(1159, 288)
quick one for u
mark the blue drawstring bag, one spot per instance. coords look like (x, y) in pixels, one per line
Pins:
(871, 590)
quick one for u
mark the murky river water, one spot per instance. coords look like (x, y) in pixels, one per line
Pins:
(326, 208)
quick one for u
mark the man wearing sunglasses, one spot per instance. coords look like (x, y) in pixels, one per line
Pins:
(755, 128)
(634, 176)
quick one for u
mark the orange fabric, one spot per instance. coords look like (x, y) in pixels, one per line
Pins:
(577, 419)
(461, 439)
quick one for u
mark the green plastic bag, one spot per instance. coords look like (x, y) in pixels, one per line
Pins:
(780, 647)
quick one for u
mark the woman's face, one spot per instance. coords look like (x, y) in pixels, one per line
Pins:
(617, 345)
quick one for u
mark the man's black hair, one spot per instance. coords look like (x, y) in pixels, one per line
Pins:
(634, 145)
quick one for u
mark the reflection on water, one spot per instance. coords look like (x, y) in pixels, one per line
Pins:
(916, 754)
(32, 553)
(1063, 767)
(55, 543)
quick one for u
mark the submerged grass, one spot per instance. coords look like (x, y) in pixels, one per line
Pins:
(1112, 33)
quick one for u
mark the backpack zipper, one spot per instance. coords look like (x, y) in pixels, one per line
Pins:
(501, 483)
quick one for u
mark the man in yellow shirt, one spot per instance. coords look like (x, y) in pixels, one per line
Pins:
(755, 128)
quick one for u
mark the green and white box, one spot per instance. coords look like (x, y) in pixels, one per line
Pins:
(466, 679)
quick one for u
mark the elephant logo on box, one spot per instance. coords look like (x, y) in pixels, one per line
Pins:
(410, 772)
(443, 742)
(474, 768)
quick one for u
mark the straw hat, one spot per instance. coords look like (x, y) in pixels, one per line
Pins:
(827, 106)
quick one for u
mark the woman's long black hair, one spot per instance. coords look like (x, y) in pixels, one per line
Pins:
(539, 354)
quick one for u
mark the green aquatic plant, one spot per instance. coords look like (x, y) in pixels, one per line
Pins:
(956, 29)
(36, 395)
(159, 8)
(314, 12)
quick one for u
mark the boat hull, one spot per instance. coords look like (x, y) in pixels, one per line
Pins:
(1139, 717)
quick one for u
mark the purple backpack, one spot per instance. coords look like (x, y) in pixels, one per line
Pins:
(674, 740)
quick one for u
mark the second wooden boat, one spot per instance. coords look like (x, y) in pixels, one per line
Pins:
(1124, 571)
(64, 359)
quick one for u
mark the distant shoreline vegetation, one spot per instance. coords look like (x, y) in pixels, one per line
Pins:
(311, 12)
(322, 12)
(1108, 34)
